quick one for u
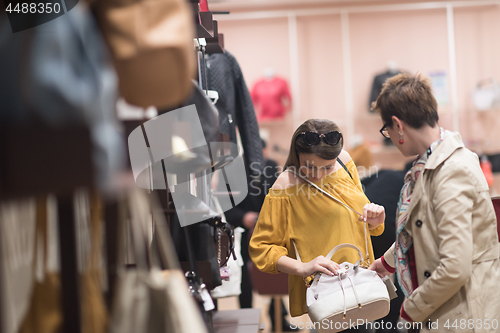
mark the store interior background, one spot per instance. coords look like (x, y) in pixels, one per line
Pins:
(330, 51)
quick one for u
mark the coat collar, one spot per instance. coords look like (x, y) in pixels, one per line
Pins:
(444, 151)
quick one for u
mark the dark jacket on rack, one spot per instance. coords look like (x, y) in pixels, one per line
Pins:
(378, 82)
(235, 104)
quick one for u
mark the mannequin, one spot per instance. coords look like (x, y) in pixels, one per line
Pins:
(271, 96)
(269, 73)
(392, 67)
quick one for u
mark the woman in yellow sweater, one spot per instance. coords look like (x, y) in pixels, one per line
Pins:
(296, 211)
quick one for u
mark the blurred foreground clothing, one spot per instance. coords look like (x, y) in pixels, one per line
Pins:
(59, 74)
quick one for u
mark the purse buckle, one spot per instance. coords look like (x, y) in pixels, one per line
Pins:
(308, 280)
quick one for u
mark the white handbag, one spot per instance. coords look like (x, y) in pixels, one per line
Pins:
(353, 297)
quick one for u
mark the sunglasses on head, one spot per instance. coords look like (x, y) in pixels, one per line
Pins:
(312, 138)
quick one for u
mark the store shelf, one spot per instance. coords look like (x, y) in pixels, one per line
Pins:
(237, 321)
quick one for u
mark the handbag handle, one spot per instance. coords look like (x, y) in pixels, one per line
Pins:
(332, 251)
(343, 246)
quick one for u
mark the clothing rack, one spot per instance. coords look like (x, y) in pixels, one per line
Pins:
(63, 162)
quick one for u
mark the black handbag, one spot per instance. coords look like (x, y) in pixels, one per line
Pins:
(211, 235)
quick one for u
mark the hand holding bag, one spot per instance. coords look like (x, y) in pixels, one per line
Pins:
(354, 296)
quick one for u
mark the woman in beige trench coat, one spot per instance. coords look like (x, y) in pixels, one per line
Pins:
(446, 253)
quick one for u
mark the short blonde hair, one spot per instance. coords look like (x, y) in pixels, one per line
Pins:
(409, 98)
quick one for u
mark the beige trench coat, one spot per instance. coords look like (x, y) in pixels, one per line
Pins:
(454, 230)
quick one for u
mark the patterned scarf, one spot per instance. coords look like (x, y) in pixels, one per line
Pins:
(403, 240)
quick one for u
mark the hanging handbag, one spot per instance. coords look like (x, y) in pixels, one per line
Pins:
(152, 46)
(204, 249)
(146, 298)
(354, 296)
(231, 286)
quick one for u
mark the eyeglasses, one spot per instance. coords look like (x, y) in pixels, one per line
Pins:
(384, 131)
(312, 138)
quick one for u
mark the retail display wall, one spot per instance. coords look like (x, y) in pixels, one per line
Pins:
(339, 49)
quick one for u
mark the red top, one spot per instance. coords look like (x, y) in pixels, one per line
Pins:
(203, 5)
(268, 96)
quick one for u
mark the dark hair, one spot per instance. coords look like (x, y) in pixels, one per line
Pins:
(409, 98)
(322, 150)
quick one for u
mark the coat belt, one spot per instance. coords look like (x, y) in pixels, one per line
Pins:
(491, 254)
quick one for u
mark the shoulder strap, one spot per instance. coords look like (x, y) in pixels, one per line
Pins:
(324, 192)
(337, 200)
(345, 168)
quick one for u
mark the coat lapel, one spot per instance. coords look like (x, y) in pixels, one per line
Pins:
(441, 154)
(417, 194)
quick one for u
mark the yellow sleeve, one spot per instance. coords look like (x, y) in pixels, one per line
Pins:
(270, 236)
(378, 230)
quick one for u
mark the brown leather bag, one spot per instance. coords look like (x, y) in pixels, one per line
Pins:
(94, 311)
(152, 46)
(44, 314)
